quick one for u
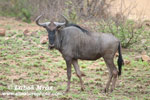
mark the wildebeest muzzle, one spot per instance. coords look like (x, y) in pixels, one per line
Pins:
(51, 37)
(51, 46)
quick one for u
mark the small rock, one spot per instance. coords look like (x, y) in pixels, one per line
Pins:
(143, 41)
(127, 62)
(39, 46)
(41, 57)
(6, 38)
(2, 32)
(145, 58)
(137, 58)
(143, 53)
(83, 74)
(44, 40)
(34, 33)
(26, 32)
(97, 79)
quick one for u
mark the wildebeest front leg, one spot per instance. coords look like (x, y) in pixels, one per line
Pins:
(78, 72)
(68, 63)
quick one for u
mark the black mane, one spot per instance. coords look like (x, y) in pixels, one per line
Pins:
(83, 30)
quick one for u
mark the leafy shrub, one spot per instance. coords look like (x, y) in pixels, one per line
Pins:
(128, 31)
(16, 8)
(72, 12)
(25, 15)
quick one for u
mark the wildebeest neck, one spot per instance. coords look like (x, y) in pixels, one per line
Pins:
(82, 29)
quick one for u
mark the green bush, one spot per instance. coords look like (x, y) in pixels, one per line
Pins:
(16, 8)
(25, 15)
(72, 12)
(127, 31)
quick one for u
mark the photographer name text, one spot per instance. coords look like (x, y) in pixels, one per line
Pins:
(32, 87)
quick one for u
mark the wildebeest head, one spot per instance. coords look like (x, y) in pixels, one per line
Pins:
(52, 28)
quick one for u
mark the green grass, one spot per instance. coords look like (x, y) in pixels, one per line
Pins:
(22, 62)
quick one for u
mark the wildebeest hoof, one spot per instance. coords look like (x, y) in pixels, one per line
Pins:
(111, 90)
(67, 90)
(48, 48)
(83, 74)
(82, 88)
(106, 90)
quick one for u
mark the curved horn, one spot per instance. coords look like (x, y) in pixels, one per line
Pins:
(66, 20)
(59, 24)
(41, 24)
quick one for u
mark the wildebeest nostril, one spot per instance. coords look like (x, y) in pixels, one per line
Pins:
(51, 45)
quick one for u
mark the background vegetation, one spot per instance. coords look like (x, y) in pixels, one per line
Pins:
(24, 60)
(128, 31)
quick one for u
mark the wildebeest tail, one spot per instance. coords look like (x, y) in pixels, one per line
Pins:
(120, 60)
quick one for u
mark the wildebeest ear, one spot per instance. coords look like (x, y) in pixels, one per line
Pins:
(60, 27)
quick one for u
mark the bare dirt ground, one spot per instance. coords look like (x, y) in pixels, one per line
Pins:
(7, 23)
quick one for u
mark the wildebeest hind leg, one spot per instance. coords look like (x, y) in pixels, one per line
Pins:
(68, 63)
(109, 63)
(78, 72)
(115, 74)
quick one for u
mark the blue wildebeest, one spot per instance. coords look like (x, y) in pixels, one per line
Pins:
(75, 43)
